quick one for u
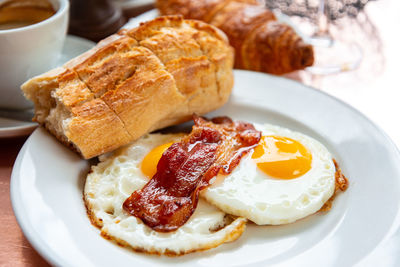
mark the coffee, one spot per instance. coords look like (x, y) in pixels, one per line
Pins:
(21, 13)
(28, 51)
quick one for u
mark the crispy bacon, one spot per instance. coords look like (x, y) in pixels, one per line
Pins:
(168, 200)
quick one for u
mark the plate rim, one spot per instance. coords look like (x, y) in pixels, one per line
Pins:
(42, 247)
(29, 232)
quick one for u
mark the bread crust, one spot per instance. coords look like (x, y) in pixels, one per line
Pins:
(134, 82)
(203, 10)
(95, 121)
(278, 43)
(203, 74)
(230, 20)
(261, 42)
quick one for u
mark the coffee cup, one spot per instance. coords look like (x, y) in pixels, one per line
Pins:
(28, 50)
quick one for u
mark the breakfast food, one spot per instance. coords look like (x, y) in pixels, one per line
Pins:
(118, 175)
(168, 200)
(134, 82)
(261, 42)
(264, 173)
(287, 177)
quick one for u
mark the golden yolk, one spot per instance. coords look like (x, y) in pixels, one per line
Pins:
(149, 163)
(282, 157)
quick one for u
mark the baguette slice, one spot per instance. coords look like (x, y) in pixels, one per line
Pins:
(132, 83)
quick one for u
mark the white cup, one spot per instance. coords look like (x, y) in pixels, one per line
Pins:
(28, 51)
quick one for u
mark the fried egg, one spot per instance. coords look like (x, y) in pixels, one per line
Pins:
(128, 169)
(288, 176)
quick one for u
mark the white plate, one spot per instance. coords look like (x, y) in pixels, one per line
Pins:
(15, 123)
(132, 4)
(362, 227)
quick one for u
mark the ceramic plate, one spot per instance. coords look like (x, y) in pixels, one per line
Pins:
(362, 227)
(19, 123)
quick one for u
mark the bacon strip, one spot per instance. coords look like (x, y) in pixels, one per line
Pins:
(168, 200)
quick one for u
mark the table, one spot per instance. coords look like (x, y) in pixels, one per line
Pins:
(15, 250)
(374, 89)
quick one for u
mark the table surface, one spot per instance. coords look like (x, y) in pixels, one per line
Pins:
(373, 89)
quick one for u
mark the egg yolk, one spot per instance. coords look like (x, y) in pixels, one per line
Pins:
(149, 163)
(282, 157)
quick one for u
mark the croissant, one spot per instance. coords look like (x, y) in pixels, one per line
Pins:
(134, 82)
(261, 42)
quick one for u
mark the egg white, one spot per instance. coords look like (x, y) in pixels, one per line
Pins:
(250, 193)
(113, 180)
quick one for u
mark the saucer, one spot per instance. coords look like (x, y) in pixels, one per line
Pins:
(18, 123)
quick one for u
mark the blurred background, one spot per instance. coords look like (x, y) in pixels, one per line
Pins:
(363, 63)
